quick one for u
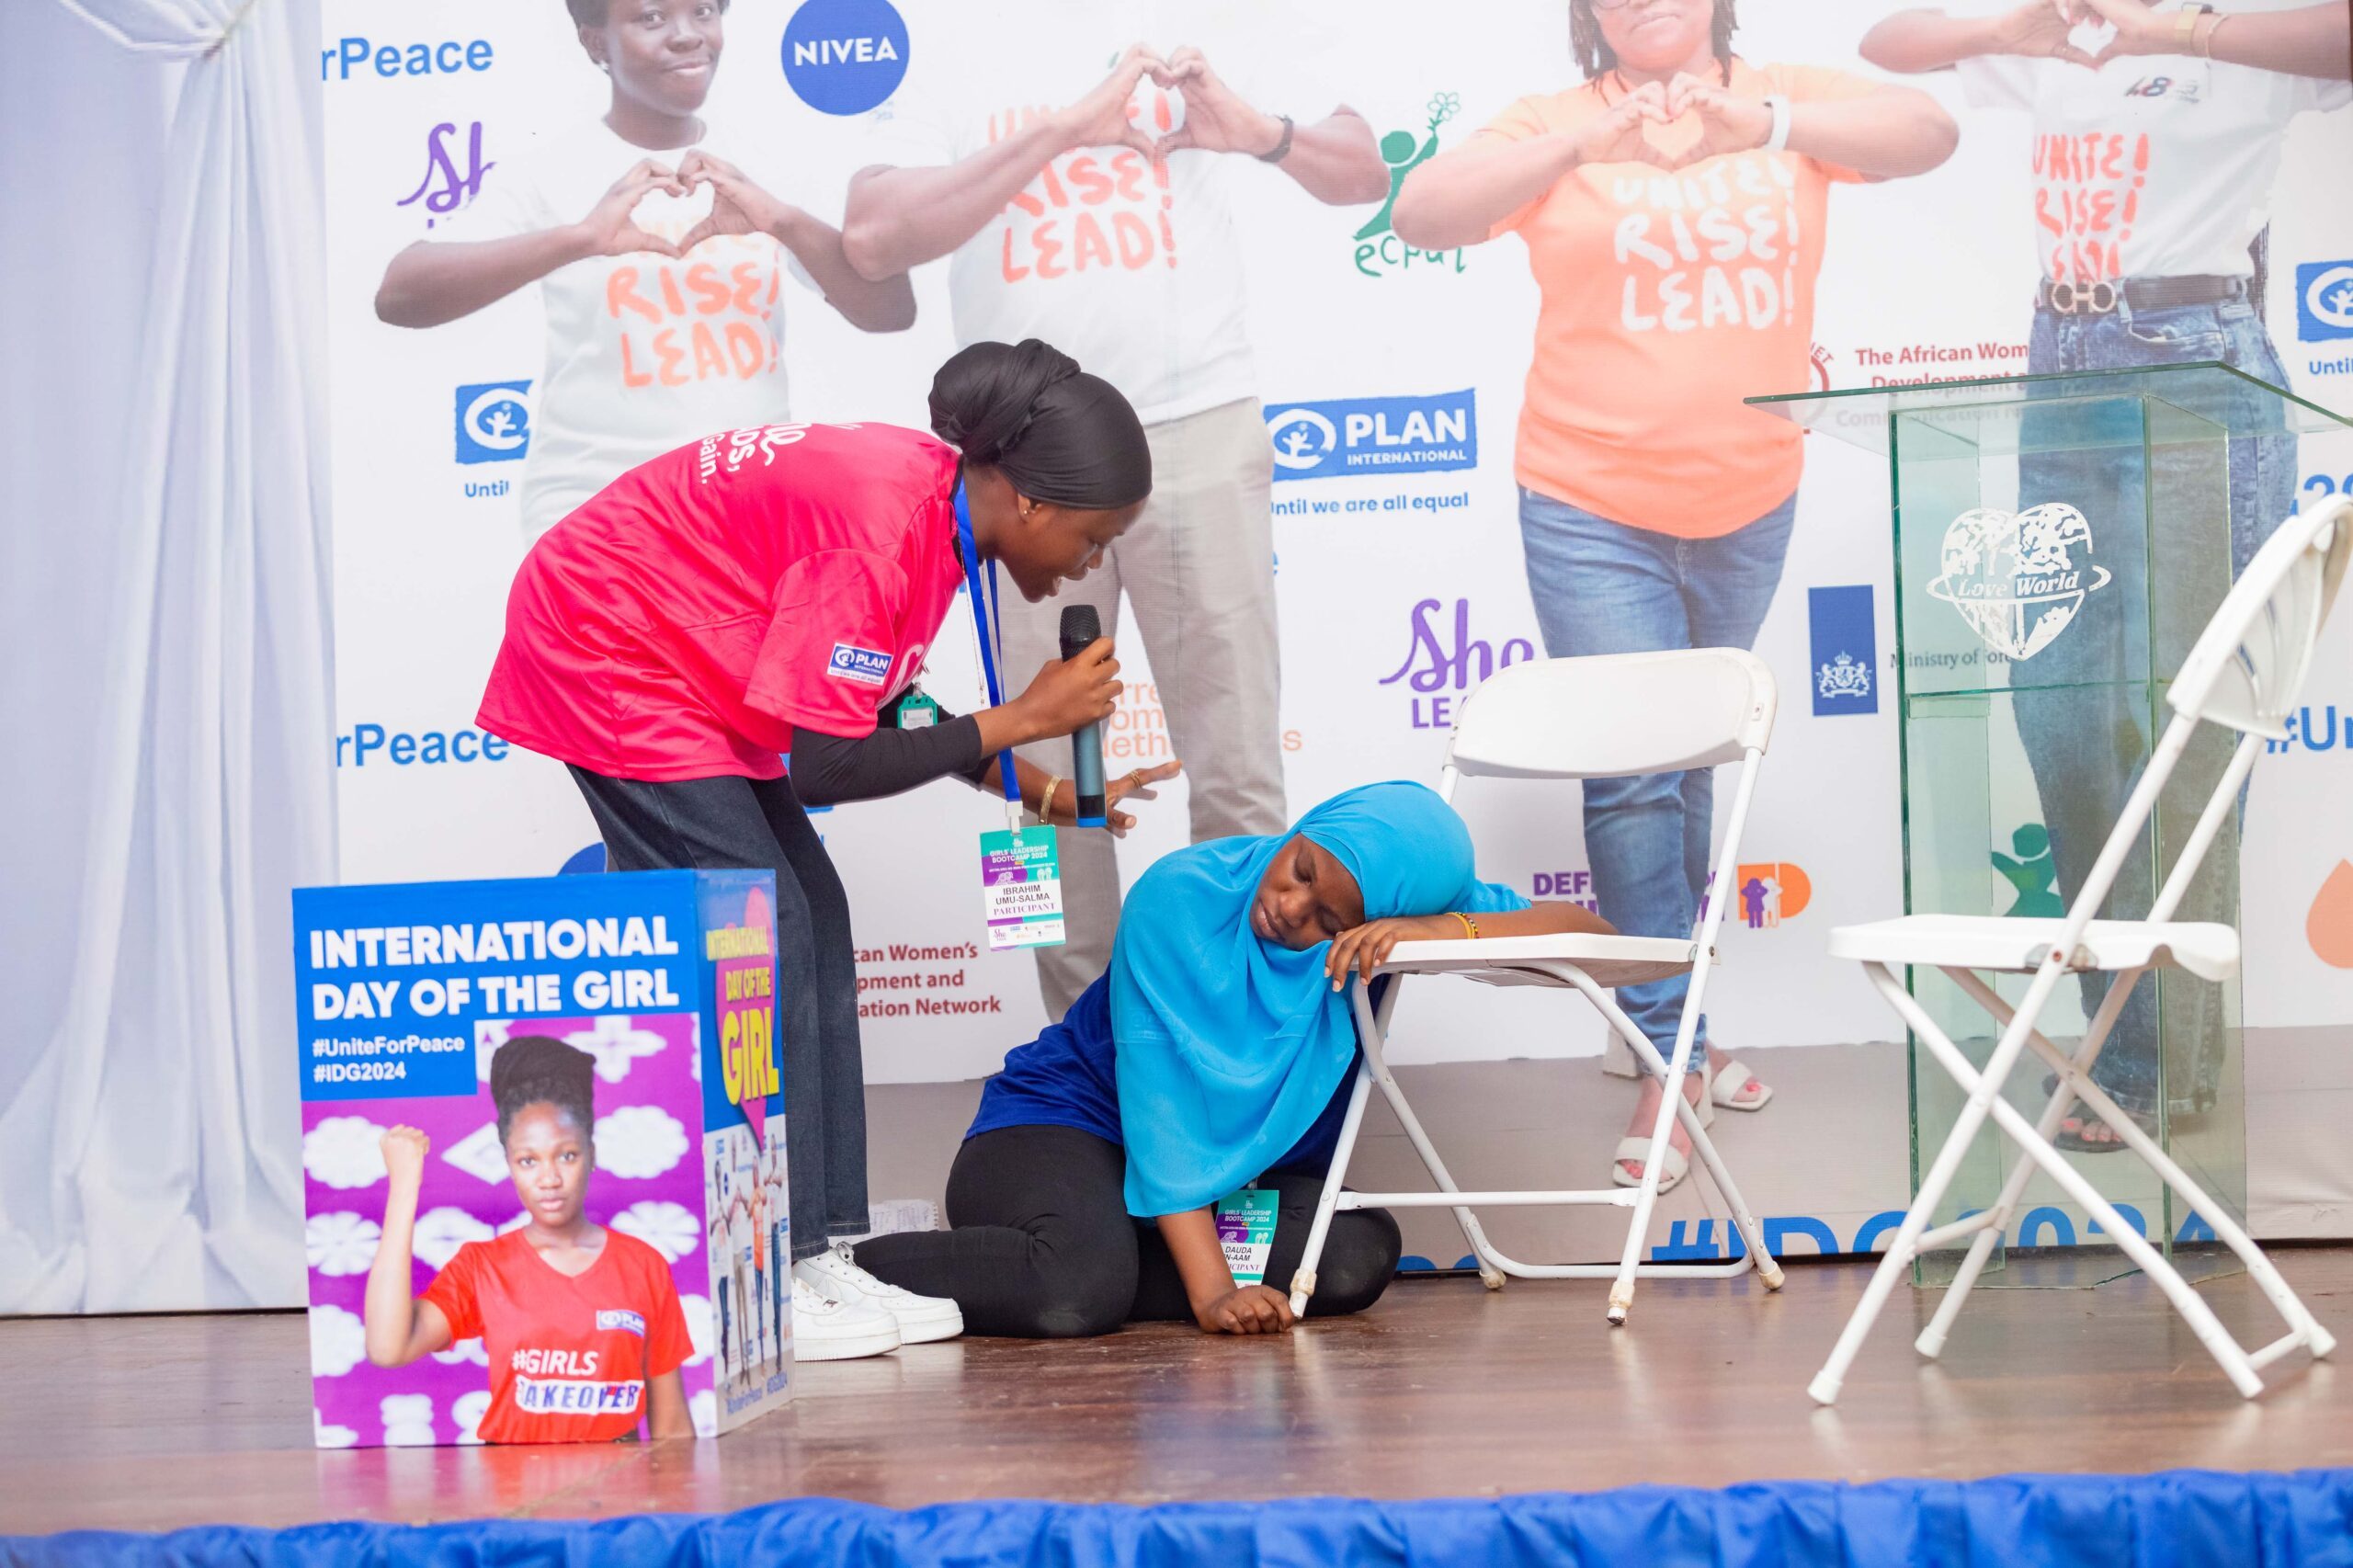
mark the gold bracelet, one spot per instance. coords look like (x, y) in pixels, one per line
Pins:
(1467, 924)
(1046, 800)
(2216, 19)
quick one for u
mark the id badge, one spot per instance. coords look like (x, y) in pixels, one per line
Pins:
(1245, 1229)
(1022, 888)
(917, 711)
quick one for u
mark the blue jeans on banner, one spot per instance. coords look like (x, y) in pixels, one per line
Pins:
(2085, 741)
(1606, 588)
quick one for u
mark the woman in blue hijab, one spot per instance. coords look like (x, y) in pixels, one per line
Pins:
(1216, 1055)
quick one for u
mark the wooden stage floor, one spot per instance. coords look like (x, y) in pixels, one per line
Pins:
(1442, 1390)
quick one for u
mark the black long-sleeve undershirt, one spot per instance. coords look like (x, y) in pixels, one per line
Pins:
(829, 769)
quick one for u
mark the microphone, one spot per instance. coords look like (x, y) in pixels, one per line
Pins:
(1082, 626)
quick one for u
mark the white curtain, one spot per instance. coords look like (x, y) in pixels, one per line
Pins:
(167, 595)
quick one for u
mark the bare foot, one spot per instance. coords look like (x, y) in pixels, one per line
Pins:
(1646, 1117)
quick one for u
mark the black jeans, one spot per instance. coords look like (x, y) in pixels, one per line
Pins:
(714, 823)
(1044, 1248)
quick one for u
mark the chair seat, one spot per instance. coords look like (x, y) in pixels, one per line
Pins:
(1991, 942)
(1524, 961)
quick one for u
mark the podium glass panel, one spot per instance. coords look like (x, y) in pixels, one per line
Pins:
(2060, 543)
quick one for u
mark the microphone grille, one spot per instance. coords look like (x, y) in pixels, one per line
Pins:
(1081, 625)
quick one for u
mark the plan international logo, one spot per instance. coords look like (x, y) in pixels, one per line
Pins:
(1375, 436)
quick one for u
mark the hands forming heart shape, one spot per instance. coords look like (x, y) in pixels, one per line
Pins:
(1216, 118)
(1728, 123)
(738, 206)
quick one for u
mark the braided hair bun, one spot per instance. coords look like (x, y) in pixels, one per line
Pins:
(536, 1070)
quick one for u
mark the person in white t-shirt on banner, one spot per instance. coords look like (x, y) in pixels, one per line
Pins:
(1088, 201)
(659, 257)
(2157, 136)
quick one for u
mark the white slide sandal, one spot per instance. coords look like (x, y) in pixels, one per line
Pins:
(1726, 1088)
(1636, 1151)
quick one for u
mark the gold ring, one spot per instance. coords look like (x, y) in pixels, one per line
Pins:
(1135, 779)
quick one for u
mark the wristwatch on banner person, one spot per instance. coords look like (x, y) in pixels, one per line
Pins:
(1281, 148)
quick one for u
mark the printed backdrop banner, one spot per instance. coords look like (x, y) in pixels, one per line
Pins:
(1390, 381)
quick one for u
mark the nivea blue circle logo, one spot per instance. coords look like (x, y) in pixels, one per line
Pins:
(845, 56)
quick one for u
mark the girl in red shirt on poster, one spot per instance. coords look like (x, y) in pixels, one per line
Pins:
(773, 590)
(582, 1323)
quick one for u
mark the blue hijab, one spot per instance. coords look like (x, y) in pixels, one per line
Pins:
(1229, 1046)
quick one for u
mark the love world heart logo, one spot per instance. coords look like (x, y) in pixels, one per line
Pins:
(2014, 577)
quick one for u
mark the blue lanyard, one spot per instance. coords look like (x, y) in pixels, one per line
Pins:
(986, 622)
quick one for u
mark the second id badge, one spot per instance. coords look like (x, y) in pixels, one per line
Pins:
(1022, 888)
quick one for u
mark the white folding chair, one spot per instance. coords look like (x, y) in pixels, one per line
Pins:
(1592, 718)
(2244, 673)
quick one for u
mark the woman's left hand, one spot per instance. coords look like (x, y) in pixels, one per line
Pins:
(1365, 948)
(2139, 31)
(1728, 123)
(738, 206)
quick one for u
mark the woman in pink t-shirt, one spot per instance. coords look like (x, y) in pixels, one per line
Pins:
(772, 591)
(1673, 205)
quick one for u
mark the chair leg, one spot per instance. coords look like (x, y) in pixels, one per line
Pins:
(1648, 1062)
(1931, 1342)
(1983, 1099)
(2076, 1083)
(1638, 1227)
(1371, 1033)
(1303, 1280)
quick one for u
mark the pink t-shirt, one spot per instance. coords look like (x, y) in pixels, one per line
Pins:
(682, 622)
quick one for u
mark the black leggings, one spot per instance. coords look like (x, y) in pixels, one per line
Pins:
(1043, 1246)
(713, 824)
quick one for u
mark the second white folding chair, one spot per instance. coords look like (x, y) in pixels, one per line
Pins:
(2244, 673)
(1604, 717)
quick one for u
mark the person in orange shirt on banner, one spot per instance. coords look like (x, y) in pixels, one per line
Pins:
(665, 307)
(1673, 205)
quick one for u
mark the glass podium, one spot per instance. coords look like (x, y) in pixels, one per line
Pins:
(2060, 542)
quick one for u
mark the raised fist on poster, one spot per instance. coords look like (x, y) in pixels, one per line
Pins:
(1216, 118)
(610, 228)
(1100, 118)
(738, 205)
(405, 1150)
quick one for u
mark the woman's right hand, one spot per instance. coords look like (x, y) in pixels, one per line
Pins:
(610, 228)
(1070, 694)
(1100, 118)
(405, 1150)
(1245, 1308)
(1618, 134)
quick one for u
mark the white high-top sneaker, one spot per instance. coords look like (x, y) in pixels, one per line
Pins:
(921, 1319)
(826, 1328)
